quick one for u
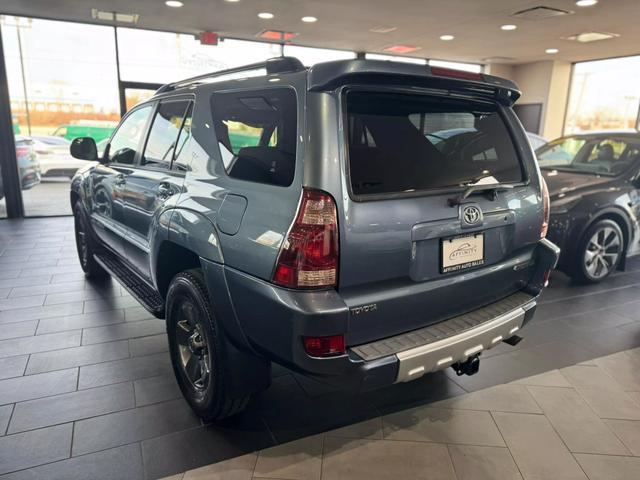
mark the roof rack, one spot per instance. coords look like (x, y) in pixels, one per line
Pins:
(272, 66)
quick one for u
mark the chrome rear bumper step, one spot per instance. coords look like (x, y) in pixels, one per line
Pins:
(455, 340)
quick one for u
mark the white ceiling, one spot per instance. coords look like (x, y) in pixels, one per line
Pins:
(345, 24)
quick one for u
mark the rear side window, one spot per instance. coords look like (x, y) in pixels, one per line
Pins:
(256, 133)
(401, 143)
(162, 144)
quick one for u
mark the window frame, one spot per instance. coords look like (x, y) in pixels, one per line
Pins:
(141, 141)
(255, 89)
(342, 94)
(190, 99)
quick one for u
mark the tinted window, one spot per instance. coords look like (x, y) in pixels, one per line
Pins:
(607, 156)
(163, 137)
(126, 140)
(256, 133)
(403, 143)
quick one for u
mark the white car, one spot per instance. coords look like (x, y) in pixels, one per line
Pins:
(54, 157)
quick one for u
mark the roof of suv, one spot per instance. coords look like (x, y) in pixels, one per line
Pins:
(329, 75)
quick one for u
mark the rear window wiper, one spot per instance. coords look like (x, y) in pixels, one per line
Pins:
(492, 189)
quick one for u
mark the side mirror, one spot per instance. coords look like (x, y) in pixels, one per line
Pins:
(84, 148)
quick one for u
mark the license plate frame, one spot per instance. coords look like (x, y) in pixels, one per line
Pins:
(462, 252)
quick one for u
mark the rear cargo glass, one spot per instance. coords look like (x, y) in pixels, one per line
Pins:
(402, 143)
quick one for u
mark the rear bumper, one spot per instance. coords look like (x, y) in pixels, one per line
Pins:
(274, 320)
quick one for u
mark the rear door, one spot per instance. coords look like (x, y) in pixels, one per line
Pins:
(157, 178)
(417, 246)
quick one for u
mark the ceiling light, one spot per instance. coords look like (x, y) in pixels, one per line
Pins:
(508, 27)
(586, 3)
(309, 19)
(587, 37)
(265, 15)
(232, 1)
(447, 38)
(551, 51)
(401, 49)
(382, 29)
(174, 3)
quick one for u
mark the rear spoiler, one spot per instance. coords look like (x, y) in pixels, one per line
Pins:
(331, 75)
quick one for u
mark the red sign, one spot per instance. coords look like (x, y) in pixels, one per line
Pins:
(209, 38)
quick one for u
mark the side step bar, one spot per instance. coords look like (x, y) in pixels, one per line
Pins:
(148, 297)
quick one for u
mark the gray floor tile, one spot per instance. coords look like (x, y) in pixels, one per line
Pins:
(80, 296)
(7, 304)
(71, 406)
(53, 270)
(156, 389)
(109, 304)
(552, 378)
(4, 292)
(595, 321)
(629, 432)
(134, 314)
(239, 468)
(68, 277)
(18, 329)
(83, 320)
(443, 425)
(123, 330)
(536, 447)
(5, 415)
(120, 428)
(115, 464)
(19, 389)
(379, 459)
(148, 345)
(77, 356)
(369, 429)
(39, 343)
(483, 463)
(579, 427)
(35, 313)
(13, 366)
(29, 449)
(624, 367)
(603, 467)
(501, 398)
(297, 460)
(124, 370)
(9, 281)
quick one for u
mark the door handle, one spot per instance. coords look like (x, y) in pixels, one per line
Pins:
(165, 190)
(120, 180)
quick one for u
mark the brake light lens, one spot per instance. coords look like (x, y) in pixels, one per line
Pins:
(450, 72)
(309, 254)
(22, 151)
(324, 346)
(546, 209)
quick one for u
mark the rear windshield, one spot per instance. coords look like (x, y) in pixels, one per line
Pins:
(408, 142)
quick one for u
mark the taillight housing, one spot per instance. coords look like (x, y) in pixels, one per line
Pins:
(309, 255)
(22, 151)
(452, 73)
(324, 346)
(546, 209)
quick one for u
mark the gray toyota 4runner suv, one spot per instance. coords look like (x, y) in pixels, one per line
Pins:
(361, 222)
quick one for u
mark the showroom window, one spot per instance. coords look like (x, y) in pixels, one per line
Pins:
(604, 95)
(310, 56)
(51, 103)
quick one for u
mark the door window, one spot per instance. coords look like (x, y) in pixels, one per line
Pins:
(163, 137)
(126, 141)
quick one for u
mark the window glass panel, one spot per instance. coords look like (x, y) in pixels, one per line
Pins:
(395, 58)
(162, 57)
(310, 56)
(256, 133)
(467, 67)
(181, 160)
(126, 140)
(402, 143)
(604, 95)
(163, 136)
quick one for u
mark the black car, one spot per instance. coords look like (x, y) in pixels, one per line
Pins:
(594, 182)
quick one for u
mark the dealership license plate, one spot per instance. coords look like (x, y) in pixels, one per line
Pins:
(465, 251)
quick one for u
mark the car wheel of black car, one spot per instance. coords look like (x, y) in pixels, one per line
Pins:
(599, 252)
(86, 246)
(196, 348)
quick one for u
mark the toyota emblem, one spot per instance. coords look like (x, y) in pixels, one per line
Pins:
(471, 215)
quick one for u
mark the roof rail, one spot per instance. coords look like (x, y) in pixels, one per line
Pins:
(272, 66)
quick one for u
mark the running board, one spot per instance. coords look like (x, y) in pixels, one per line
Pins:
(148, 297)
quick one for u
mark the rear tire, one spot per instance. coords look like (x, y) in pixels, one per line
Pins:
(86, 246)
(599, 252)
(197, 350)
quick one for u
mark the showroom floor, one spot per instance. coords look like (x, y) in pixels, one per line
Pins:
(86, 389)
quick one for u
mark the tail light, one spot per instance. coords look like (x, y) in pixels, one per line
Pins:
(22, 151)
(546, 209)
(309, 255)
(452, 73)
(324, 346)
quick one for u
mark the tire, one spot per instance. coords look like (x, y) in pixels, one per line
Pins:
(197, 349)
(599, 252)
(86, 246)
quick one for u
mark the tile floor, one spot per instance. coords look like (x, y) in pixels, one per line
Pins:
(86, 391)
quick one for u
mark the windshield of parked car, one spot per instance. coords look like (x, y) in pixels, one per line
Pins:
(403, 143)
(594, 155)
